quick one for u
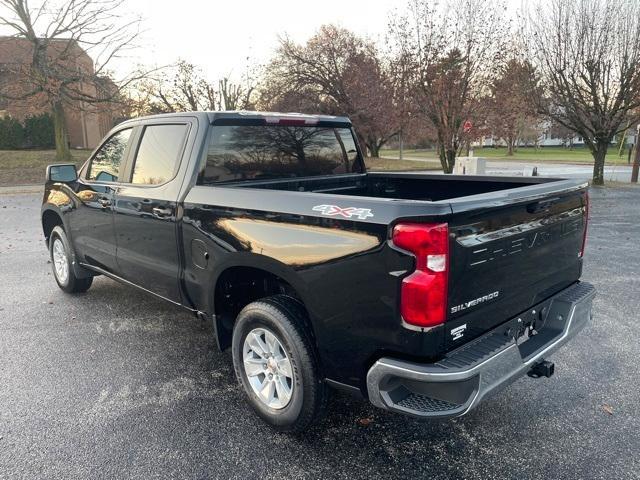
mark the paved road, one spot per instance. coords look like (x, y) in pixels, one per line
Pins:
(617, 173)
(116, 384)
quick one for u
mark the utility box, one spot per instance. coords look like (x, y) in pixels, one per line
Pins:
(470, 166)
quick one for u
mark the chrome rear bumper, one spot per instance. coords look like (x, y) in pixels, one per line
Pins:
(459, 382)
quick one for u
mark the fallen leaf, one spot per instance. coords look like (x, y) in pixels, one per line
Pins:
(365, 421)
(607, 408)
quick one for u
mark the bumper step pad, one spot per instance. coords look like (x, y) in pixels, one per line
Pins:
(422, 403)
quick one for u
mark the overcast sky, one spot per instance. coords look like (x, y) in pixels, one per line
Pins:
(220, 35)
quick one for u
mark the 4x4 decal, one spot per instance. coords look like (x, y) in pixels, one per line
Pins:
(334, 210)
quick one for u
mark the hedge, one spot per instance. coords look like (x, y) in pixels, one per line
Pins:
(11, 134)
(35, 132)
(38, 131)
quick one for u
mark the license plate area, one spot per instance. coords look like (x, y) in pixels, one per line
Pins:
(521, 328)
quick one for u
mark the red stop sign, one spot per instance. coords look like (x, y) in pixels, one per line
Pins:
(466, 126)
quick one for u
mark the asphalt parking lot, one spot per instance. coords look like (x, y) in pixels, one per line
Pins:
(117, 384)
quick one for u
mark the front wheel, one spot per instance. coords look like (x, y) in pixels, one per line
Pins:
(275, 361)
(62, 263)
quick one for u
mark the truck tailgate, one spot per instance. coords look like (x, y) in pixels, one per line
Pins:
(508, 255)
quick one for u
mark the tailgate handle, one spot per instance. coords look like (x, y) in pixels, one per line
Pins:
(541, 206)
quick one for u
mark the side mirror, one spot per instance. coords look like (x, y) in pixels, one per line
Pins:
(62, 173)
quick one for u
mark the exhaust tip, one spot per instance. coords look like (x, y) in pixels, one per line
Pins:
(542, 369)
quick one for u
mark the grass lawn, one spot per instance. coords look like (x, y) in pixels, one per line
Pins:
(23, 167)
(394, 164)
(579, 155)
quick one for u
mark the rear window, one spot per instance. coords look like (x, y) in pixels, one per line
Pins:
(278, 151)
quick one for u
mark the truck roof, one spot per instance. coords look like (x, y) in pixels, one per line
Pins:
(267, 117)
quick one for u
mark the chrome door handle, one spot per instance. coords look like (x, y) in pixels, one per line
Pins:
(162, 212)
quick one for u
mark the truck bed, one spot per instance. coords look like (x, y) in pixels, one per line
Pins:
(401, 186)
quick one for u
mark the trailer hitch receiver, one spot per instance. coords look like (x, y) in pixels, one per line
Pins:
(543, 368)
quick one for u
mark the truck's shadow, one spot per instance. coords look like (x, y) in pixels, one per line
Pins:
(354, 434)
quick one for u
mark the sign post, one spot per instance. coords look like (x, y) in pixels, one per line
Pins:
(636, 158)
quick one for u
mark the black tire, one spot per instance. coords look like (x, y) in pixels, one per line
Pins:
(70, 284)
(286, 318)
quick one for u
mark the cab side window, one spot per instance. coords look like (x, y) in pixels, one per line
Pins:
(106, 163)
(159, 154)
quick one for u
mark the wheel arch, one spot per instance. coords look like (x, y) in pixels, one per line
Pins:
(51, 218)
(237, 285)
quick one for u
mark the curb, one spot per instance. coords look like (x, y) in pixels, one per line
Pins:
(16, 189)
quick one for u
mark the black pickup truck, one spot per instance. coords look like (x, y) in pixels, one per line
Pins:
(423, 293)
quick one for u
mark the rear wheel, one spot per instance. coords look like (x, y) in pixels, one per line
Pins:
(275, 362)
(62, 262)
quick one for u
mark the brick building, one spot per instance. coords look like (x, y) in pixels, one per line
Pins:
(86, 123)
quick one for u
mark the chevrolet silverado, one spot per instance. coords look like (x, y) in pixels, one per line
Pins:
(422, 293)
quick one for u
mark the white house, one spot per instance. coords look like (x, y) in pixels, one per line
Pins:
(546, 139)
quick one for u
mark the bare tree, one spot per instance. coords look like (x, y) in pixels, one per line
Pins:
(454, 47)
(337, 73)
(409, 121)
(566, 135)
(179, 88)
(588, 54)
(236, 96)
(512, 110)
(183, 88)
(72, 44)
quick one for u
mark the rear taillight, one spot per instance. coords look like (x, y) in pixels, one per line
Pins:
(586, 223)
(423, 299)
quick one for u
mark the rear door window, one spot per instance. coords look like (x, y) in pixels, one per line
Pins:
(277, 151)
(159, 154)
